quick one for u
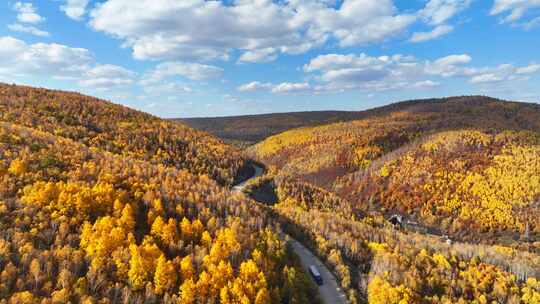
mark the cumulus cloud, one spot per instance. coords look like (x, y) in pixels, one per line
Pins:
(437, 32)
(514, 9)
(189, 70)
(336, 72)
(447, 66)
(288, 87)
(261, 30)
(106, 76)
(532, 68)
(18, 58)
(438, 12)
(426, 84)
(264, 55)
(75, 9)
(488, 77)
(281, 88)
(345, 72)
(167, 88)
(255, 86)
(17, 27)
(27, 13)
(500, 73)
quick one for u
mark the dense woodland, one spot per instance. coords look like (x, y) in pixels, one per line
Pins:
(92, 211)
(465, 166)
(246, 130)
(377, 263)
(120, 130)
(103, 204)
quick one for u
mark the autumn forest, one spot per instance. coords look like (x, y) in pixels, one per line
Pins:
(100, 203)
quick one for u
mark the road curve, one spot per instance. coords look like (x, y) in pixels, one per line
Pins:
(330, 291)
(240, 187)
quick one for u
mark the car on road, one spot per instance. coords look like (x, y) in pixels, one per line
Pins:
(316, 275)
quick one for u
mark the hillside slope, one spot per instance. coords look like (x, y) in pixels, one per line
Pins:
(376, 162)
(86, 220)
(117, 129)
(94, 212)
(250, 129)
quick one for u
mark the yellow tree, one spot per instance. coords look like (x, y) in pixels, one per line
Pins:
(169, 233)
(165, 276)
(188, 292)
(206, 239)
(137, 272)
(157, 227)
(186, 268)
(142, 263)
(127, 218)
(249, 283)
(197, 228)
(203, 287)
(185, 228)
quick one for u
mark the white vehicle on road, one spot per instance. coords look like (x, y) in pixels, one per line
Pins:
(316, 275)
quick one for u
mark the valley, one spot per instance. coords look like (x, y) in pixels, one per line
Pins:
(335, 186)
(269, 152)
(100, 203)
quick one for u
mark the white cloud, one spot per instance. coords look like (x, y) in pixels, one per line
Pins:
(261, 29)
(255, 86)
(167, 88)
(426, 84)
(288, 87)
(437, 12)
(515, 9)
(104, 82)
(447, 66)
(75, 9)
(337, 73)
(281, 88)
(533, 68)
(192, 71)
(17, 27)
(532, 24)
(106, 76)
(346, 72)
(488, 77)
(503, 72)
(27, 13)
(439, 31)
(18, 58)
(264, 55)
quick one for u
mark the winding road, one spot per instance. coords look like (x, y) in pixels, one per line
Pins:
(330, 291)
(240, 187)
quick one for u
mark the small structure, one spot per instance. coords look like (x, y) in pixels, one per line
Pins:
(396, 220)
(447, 239)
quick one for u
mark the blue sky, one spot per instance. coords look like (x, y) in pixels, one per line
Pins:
(216, 58)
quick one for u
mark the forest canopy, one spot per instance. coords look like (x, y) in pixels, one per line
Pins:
(103, 204)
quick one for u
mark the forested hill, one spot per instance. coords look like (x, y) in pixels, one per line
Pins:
(120, 130)
(102, 204)
(250, 129)
(468, 166)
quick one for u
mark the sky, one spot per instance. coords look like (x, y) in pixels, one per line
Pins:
(196, 58)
